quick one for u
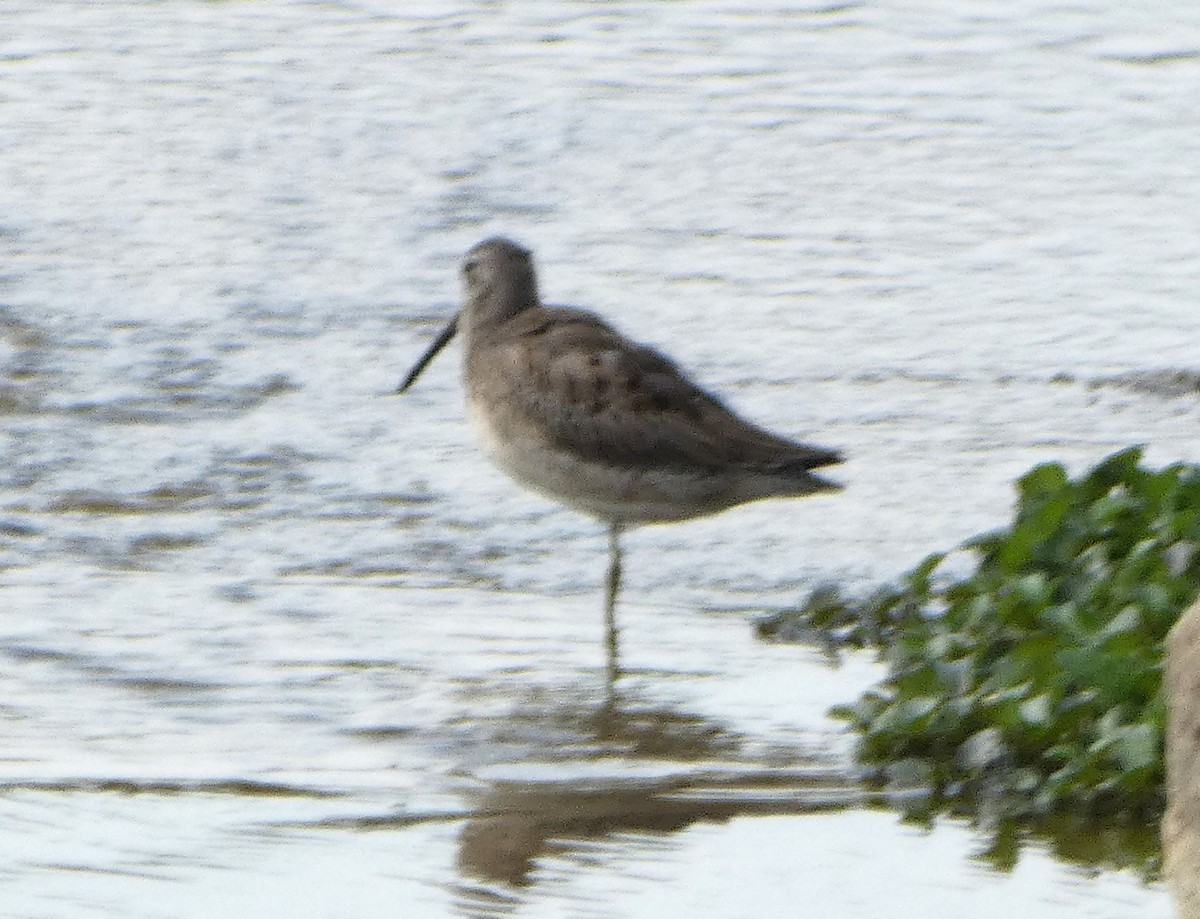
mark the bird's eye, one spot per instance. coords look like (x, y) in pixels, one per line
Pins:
(470, 266)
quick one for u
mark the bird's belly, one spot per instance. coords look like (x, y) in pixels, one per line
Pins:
(606, 491)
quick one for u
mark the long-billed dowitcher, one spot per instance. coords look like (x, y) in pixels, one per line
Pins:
(575, 411)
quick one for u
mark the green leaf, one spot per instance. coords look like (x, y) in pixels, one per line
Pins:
(1138, 746)
(1037, 710)
(1043, 480)
(903, 717)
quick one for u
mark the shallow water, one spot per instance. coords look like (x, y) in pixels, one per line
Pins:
(275, 642)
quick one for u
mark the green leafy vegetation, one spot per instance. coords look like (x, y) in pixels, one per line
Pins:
(1024, 669)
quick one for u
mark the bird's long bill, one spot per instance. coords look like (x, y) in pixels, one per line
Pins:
(438, 343)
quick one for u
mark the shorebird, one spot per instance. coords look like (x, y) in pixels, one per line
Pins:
(573, 410)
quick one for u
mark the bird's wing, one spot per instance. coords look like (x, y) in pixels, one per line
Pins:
(600, 394)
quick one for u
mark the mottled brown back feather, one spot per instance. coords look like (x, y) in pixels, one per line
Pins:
(602, 395)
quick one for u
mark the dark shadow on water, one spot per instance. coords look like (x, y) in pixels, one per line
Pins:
(621, 767)
(516, 821)
(1089, 843)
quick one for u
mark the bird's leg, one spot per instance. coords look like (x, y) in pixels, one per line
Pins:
(610, 605)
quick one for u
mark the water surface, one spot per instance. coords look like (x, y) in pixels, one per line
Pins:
(275, 642)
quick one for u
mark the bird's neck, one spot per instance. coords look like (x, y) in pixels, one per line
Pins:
(496, 308)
